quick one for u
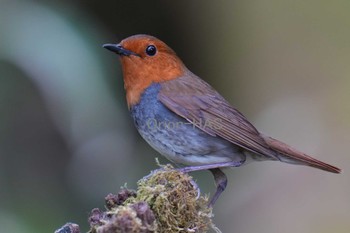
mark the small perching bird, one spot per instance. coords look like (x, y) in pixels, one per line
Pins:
(186, 120)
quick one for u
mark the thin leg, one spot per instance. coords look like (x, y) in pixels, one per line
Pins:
(219, 177)
(211, 166)
(221, 183)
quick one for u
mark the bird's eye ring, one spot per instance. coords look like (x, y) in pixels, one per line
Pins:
(151, 50)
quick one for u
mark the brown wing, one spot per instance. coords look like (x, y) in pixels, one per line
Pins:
(196, 101)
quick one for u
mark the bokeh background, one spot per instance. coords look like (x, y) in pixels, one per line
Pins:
(66, 139)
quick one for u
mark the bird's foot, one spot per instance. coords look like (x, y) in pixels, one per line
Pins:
(196, 187)
(152, 173)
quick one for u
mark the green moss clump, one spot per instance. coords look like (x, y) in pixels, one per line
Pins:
(166, 201)
(174, 201)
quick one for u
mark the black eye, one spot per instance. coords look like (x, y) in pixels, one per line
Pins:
(151, 50)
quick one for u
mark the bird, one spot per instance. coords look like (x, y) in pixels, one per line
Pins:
(187, 121)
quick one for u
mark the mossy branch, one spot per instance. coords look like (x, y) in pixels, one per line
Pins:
(165, 201)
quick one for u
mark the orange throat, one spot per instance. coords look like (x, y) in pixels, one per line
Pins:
(138, 76)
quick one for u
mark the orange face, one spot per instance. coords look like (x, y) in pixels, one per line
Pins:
(146, 60)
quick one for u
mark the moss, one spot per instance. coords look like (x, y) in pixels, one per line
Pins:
(129, 218)
(173, 198)
(165, 201)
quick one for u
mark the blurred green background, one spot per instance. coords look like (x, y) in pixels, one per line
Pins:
(66, 139)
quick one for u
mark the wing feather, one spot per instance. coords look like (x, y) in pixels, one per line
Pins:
(197, 102)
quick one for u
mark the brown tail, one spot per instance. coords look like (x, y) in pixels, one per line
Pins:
(290, 155)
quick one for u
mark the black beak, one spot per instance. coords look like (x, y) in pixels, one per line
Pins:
(118, 49)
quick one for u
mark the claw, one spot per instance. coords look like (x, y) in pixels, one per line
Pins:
(196, 187)
(152, 173)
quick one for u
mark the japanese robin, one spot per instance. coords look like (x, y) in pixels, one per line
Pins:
(188, 121)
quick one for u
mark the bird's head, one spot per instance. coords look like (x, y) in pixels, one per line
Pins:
(145, 60)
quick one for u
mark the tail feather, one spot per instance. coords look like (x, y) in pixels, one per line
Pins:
(291, 155)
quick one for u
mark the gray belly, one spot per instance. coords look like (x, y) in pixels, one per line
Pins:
(176, 138)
